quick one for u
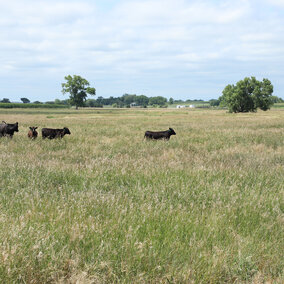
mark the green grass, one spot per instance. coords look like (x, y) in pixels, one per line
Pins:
(31, 105)
(278, 105)
(104, 206)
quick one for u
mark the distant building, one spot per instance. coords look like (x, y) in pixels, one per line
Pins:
(192, 106)
(180, 106)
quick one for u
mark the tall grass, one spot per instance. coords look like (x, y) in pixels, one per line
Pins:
(102, 205)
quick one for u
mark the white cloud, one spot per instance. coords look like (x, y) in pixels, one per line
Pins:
(279, 3)
(134, 38)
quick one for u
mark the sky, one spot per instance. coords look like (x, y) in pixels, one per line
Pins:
(171, 48)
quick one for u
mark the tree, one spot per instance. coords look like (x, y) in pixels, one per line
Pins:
(171, 101)
(142, 100)
(276, 99)
(214, 102)
(5, 100)
(25, 100)
(159, 100)
(78, 88)
(92, 103)
(128, 98)
(248, 95)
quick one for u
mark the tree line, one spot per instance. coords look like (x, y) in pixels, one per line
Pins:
(247, 95)
(126, 100)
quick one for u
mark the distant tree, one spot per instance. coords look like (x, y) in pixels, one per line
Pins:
(93, 103)
(58, 102)
(90, 103)
(37, 102)
(25, 100)
(248, 95)
(142, 100)
(78, 88)
(159, 100)
(214, 102)
(178, 101)
(276, 99)
(100, 99)
(128, 98)
(5, 100)
(171, 101)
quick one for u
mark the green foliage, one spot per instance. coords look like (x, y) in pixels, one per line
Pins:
(25, 100)
(214, 102)
(276, 99)
(125, 100)
(278, 105)
(159, 100)
(171, 101)
(92, 103)
(248, 95)
(34, 105)
(5, 100)
(61, 102)
(142, 100)
(78, 88)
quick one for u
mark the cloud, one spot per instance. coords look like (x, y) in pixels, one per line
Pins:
(138, 42)
(279, 3)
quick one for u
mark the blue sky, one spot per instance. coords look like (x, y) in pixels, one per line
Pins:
(173, 48)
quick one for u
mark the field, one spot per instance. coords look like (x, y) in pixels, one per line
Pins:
(104, 206)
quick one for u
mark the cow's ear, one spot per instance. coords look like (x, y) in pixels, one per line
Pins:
(31, 128)
(35, 128)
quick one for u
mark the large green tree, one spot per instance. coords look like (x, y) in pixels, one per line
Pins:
(248, 95)
(78, 88)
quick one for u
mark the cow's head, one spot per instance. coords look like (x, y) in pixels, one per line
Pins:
(15, 127)
(172, 132)
(66, 131)
(33, 129)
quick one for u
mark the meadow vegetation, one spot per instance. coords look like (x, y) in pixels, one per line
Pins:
(21, 105)
(104, 206)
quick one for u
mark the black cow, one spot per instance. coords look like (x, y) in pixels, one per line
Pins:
(159, 134)
(52, 133)
(8, 129)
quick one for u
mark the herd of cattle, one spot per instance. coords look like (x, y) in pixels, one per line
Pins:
(8, 129)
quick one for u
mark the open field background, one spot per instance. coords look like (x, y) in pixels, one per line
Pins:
(103, 206)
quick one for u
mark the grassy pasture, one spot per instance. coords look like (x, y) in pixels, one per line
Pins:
(104, 206)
